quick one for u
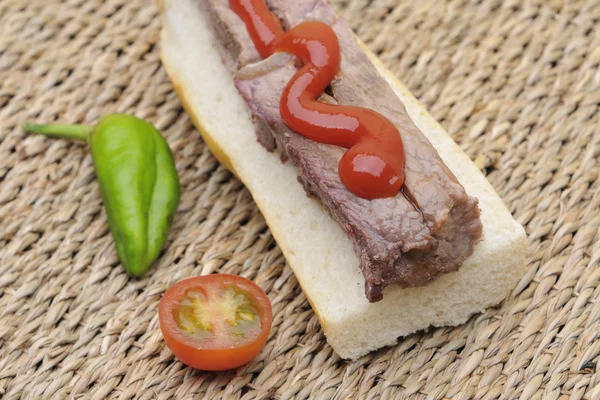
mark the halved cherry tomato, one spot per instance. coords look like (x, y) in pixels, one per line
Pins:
(215, 322)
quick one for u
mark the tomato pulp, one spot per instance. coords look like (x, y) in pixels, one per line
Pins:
(215, 322)
(373, 166)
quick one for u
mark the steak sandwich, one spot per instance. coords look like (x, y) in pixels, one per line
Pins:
(288, 99)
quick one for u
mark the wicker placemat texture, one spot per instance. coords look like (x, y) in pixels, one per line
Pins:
(516, 82)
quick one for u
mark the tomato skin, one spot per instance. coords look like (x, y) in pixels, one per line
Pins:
(222, 354)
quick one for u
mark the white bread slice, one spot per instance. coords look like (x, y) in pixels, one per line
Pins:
(316, 248)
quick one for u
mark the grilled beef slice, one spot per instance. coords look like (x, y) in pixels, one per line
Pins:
(425, 231)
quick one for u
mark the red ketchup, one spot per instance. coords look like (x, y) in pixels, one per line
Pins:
(373, 166)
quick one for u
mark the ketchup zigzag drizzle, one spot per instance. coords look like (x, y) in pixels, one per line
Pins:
(373, 165)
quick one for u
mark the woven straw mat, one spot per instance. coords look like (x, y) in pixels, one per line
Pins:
(516, 83)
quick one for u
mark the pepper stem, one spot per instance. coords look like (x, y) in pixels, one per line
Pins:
(77, 132)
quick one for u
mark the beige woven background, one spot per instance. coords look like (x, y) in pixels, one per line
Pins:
(517, 83)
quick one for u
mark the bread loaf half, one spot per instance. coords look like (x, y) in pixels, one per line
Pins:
(316, 248)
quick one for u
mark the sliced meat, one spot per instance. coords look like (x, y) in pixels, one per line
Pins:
(235, 45)
(429, 228)
(386, 232)
(291, 13)
(429, 182)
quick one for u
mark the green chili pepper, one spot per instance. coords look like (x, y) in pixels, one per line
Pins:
(138, 183)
